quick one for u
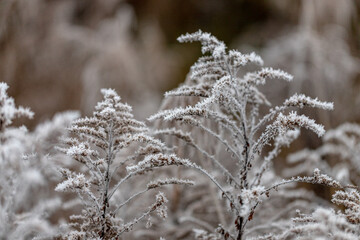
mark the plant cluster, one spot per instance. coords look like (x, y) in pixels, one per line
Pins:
(224, 136)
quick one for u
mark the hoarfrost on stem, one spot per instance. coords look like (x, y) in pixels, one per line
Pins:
(232, 102)
(98, 145)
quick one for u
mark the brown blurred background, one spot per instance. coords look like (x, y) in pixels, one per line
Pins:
(57, 54)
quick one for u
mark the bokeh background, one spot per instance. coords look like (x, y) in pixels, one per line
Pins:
(57, 54)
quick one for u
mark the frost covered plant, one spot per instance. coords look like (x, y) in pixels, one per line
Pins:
(350, 199)
(12, 141)
(338, 156)
(321, 224)
(106, 145)
(25, 168)
(232, 100)
(8, 110)
(326, 223)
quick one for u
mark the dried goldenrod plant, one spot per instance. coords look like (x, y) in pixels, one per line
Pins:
(232, 100)
(105, 144)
